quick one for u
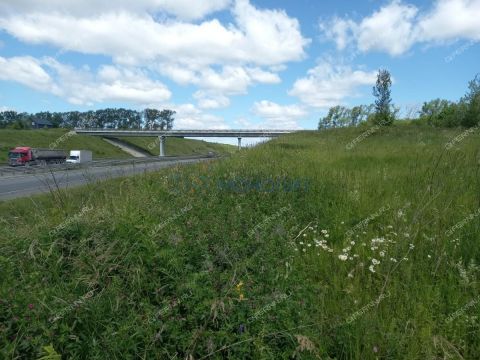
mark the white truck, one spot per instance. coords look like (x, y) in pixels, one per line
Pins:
(79, 156)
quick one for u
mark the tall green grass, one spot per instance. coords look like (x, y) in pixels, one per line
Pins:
(167, 281)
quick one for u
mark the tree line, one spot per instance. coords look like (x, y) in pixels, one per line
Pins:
(445, 113)
(438, 112)
(148, 119)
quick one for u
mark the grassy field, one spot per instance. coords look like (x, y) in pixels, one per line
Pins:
(298, 248)
(177, 146)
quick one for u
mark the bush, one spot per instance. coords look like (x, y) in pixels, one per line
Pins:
(382, 119)
(452, 116)
(472, 113)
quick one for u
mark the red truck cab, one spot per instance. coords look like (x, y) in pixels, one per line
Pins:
(20, 156)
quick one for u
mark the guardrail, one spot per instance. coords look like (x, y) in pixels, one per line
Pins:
(38, 169)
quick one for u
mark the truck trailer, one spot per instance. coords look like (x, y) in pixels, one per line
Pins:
(25, 156)
(79, 156)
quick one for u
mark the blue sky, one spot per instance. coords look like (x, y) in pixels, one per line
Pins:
(233, 63)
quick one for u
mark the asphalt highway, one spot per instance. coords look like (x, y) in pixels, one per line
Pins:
(16, 186)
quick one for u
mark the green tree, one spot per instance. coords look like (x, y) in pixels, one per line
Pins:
(167, 119)
(432, 109)
(383, 102)
(472, 103)
(356, 115)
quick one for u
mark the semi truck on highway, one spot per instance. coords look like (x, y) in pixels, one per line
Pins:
(79, 156)
(25, 156)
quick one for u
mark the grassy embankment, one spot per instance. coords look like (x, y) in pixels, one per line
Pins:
(165, 264)
(178, 146)
(43, 138)
(101, 149)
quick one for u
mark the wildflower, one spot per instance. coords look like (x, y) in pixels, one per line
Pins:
(429, 256)
(375, 262)
(324, 232)
(352, 242)
(304, 235)
(393, 260)
(343, 257)
(411, 246)
(326, 235)
(371, 268)
(30, 306)
(382, 253)
(343, 222)
(389, 227)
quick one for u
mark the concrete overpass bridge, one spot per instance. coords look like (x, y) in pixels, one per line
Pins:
(163, 134)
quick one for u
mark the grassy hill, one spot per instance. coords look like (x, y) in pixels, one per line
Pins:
(43, 138)
(101, 149)
(342, 244)
(178, 146)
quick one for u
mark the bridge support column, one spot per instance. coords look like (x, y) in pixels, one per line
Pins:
(161, 140)
(239, 143)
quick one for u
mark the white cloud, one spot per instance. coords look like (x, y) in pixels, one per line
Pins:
(390, 29)
(185, 9)
(190, 117)
(208, 100)
(261, 37)
(221, 60)
(279, 116)
(451, 19)
(327, 85)
(229, 80)
(27, 71)
(396, 27)
(80, 85)
(338, 30)
(262, 76)
(172, 38)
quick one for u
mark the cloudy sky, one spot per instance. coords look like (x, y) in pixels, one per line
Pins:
(233, 63)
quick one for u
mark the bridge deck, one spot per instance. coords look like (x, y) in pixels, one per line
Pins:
(185, 133)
